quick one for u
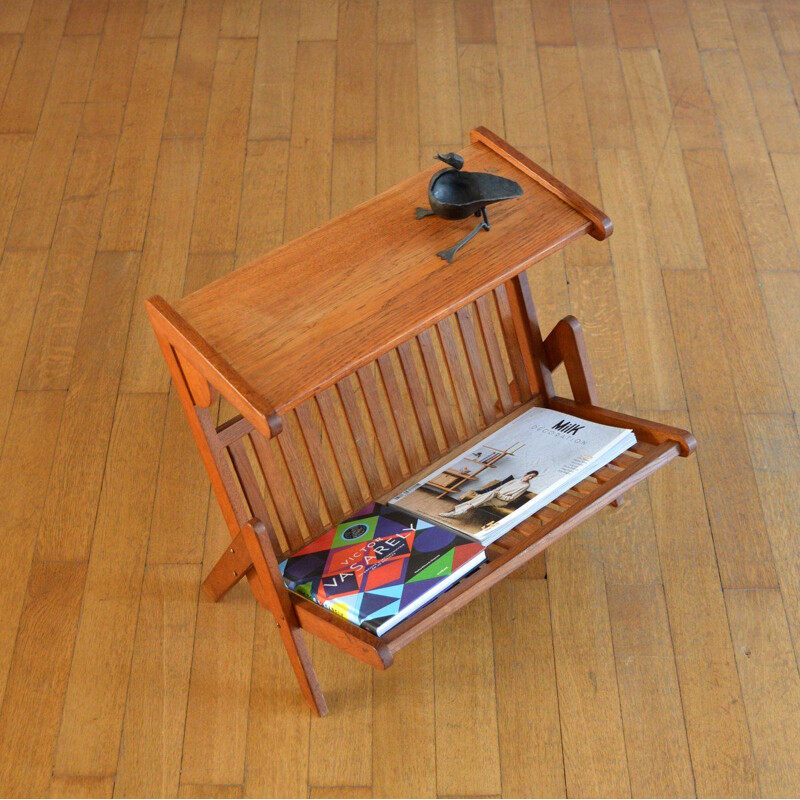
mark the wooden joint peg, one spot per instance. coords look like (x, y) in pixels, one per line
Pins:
(230, 568)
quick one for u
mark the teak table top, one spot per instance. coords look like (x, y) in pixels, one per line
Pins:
(304, 315)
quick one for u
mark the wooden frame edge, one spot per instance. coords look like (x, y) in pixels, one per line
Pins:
(652, 432)
(601, 225)
(494, 571)
(340, 633)
(189, 344)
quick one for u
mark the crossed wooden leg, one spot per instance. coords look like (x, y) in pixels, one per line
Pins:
(566, 344)
(246, 555)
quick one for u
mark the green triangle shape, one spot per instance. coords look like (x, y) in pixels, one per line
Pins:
(442, 566)
(304, 589)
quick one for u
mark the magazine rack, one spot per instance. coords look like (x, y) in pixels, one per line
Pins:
(356, 360)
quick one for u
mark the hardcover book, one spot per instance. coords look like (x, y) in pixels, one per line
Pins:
(379, 566)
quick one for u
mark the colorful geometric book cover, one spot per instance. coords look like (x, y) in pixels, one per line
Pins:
(380, 565)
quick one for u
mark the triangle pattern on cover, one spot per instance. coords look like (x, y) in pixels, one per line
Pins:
(442, 566)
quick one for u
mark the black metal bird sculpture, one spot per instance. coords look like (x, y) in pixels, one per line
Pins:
(454, 194)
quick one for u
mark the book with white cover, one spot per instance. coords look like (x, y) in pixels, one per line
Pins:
(512, 473)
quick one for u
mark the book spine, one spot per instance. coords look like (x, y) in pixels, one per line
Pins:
(370, 626)
(337, 609)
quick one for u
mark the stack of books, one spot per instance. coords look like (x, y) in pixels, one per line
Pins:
(387, 561)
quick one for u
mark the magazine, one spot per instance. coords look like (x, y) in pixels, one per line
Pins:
(380, 565)
(513, 472)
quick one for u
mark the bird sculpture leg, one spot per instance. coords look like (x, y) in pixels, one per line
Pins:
(424, 212)
(449, 255)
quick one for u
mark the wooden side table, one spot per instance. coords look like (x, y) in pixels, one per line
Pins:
(357, 361)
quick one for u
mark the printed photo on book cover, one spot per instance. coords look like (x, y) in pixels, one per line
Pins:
(505, 471)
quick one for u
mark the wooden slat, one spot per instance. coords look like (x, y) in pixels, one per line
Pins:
(570, 137)
(82, 786)
(341, 674)
(655, 736)
(386, 432)
(355, 71)
(353, 174)
(318, 19)
(606, 101)
(441, 395)
(638, 287)
(343, 446)
(280, 489)
(14, 16)
(304, 480)
(20, 279)
(781, 293)
(412, 678)
(553, 23)
(595, 301)
(489, 574)
(632, 26)
(476, 365)
(460, 381)
(786, 170)
(479, 78)
(417, 394)
(661, 163)
(521, 84)
(513, 345)
(766, 75)
(322, 459)
(494, 354)
(364, 439)
(546, 514)
(758, 381)
(211, 790)
(400, 410)
(397, 134)
(742, 547)
(14, 151)
(248, 481)
(240, 19)
(774, 445)
(116, 57)
(182, 495)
